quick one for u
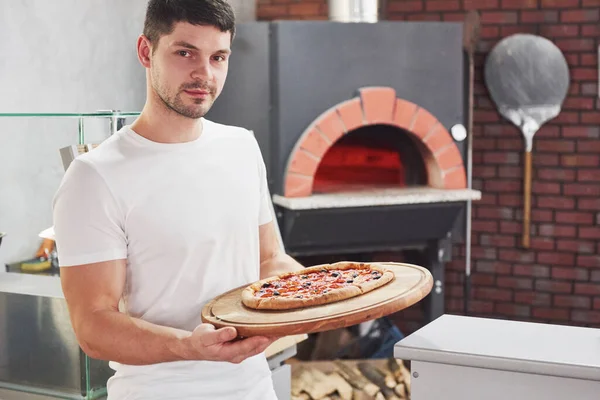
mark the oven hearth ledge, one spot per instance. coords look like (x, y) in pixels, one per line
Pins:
(376, 197)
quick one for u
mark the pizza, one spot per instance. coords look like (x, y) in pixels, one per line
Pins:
(317, 285)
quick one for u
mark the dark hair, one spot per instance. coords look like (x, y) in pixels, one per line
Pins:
(161, 15)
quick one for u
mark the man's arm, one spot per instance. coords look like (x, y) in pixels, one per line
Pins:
(273, 259)
(93, 292)
(88, 223)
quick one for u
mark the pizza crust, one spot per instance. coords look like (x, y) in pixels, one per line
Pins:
(332, 296)
(249, 299)
(286, 303)
(386, 277)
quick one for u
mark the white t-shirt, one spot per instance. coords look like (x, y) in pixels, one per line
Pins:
(186, 217)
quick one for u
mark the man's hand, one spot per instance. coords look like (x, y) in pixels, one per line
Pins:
(208, 343)
(104, 333)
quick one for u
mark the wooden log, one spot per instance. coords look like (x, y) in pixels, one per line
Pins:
(390, 380)
(297, 381)
(314, 382)
(301, 396)
(378, 378)
(406, 374)
(395, 369)
(342, 387)
(361, 395)
(380, 396)
(400, 390)
(356, 379)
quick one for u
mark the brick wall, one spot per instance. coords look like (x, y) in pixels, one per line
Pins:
(558, 279)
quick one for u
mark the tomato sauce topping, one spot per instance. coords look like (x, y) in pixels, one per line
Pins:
(315, 283)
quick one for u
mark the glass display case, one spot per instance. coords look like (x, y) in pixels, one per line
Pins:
(39, 352)
(36, 149)
(116, 117)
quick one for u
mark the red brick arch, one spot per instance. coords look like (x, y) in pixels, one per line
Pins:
(375, 105)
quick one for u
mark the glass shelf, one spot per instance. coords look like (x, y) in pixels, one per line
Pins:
(74, 115)
(113, 114)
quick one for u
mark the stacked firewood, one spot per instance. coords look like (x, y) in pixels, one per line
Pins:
(351, 380)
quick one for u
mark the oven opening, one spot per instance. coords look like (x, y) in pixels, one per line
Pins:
(372, 157)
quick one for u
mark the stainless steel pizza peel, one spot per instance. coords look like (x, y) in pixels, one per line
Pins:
(528, 79)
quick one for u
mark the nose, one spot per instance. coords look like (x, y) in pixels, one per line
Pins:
(202, 70)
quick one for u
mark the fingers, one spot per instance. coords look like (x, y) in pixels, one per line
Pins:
(227, 334)
(257, 350)
(210, 337)
(274, 338)
(219, 344)
(239, 351)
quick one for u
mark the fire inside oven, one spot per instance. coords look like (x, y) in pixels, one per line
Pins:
(371, 157)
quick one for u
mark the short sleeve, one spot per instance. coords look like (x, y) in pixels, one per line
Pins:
(265, 213)
(88, 222)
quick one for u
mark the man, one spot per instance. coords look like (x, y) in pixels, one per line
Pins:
(165, 215)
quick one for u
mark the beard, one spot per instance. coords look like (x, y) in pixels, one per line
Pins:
(175, 102)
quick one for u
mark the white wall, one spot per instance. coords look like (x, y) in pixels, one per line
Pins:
(57, 56)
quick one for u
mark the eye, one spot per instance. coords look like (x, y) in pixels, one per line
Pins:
(219, 58)
(183, 53)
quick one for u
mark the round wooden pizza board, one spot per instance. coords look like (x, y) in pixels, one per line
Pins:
(411, 284)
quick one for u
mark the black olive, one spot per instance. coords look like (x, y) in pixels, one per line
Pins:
(276, 293)
(304, 276)
(307, 283)
(266, 285)
(323, 270)
(354, 275)
(350, 281)
(325, 291)
(299, 296)
(335, 274)
(376, 277)
(375, 272)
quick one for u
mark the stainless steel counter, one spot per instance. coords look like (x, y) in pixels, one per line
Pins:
(29, 284)
(38, 349)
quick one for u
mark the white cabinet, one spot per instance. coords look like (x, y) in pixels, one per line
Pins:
(463, 358)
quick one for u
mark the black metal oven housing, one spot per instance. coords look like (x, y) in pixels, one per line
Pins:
(284, 74)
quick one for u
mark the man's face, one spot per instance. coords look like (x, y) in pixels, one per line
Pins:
(189, 67)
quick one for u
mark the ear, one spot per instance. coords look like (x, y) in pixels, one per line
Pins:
(144, 50)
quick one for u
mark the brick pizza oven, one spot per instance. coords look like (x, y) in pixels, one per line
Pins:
(354, 121)
(399, 144)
